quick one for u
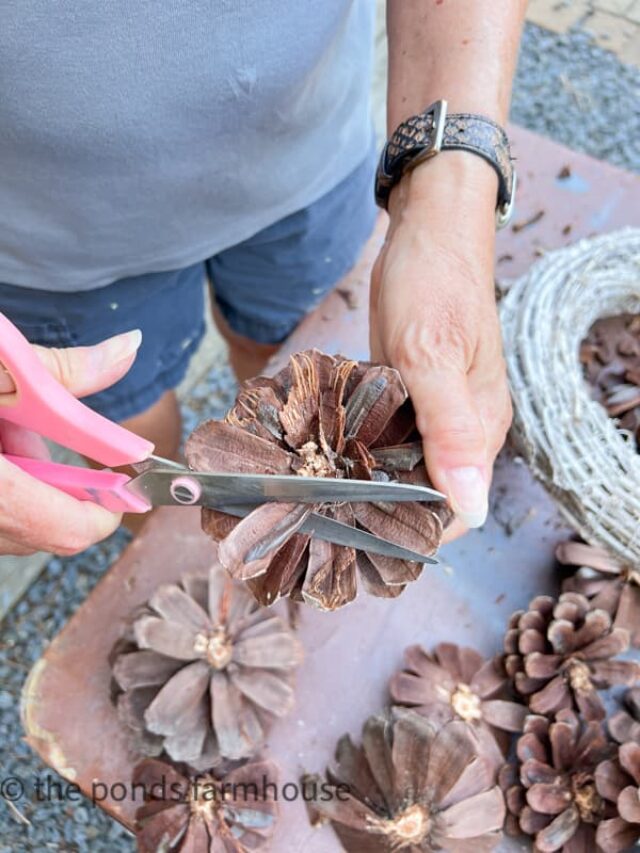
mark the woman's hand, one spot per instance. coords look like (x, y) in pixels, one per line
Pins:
(37, 517)
(433, 317)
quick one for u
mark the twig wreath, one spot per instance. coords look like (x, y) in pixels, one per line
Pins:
(570, 443)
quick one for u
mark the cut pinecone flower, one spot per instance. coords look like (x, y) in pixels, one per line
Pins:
(458, 683)
(606, 582)
(411, 788)
(230, 813)
(552, 793)
(320, 417)
(209, 670)
(559, 654)
(618, 783)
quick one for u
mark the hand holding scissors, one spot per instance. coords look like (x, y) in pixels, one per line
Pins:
(34, 516)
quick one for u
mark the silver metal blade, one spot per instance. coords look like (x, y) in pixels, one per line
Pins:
(158, 462)
(159, 487)
(343, 534)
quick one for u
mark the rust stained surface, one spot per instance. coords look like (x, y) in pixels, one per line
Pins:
(350, 654)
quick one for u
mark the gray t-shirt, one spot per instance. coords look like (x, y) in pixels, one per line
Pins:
(142, 136)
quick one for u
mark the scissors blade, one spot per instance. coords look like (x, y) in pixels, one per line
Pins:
(159, 487)
(343, 534)
(154, 462)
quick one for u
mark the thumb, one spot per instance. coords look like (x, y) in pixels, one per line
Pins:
(454, 439)
(85, 370)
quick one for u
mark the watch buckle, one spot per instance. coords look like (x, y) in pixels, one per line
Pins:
(504, 212)
(438, 111)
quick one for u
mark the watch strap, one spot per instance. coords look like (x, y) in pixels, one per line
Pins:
(425, 135)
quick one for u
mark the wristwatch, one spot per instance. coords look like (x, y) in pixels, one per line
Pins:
(425, 135)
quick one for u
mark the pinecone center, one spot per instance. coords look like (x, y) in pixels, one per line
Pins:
(579, 676)
(466, 704)
(586, 798)
(410, 826)
(216, 647)
(315, 462)
(203, 802)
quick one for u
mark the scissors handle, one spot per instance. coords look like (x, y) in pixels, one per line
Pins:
(105, 488)
(42, 404)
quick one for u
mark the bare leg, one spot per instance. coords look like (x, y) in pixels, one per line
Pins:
(161, 424)
(247, 357)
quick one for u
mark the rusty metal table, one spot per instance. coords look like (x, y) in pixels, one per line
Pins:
(350, 654)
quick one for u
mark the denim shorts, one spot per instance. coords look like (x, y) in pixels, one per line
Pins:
(263, 287)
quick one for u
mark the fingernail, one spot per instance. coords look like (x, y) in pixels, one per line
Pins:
(124, 346)
(467, 490)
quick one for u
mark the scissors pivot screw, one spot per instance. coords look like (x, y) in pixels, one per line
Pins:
(185, 490)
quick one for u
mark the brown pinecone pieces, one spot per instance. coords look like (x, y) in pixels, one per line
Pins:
(618, 784)
(324, 417)
(560, 653)
(624, 725)
(552, 794)
(611, 357)
(606, 582)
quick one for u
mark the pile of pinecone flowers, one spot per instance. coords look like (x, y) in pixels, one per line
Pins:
(520, 742)
(467, 748)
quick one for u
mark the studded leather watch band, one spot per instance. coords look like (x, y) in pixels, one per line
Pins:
(425, 135)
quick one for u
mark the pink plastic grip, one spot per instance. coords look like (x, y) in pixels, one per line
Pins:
(105, 488)
(46, 407)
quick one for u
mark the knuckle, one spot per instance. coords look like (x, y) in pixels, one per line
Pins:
(71, 544)
(454, 434)
(444, 341)
(61, 366)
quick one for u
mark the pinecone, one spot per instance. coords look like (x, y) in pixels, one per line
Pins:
(233, 812)
(323, 417)
(458, 683)
(607, 583)
(552, 793)
(410, 788)
(209, 671)
(560, 653)
(611, 357)
(618, 783)
(624, 725)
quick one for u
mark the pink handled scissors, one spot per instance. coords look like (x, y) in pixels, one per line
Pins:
(41, 404)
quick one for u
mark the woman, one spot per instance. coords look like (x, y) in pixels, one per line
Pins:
(146, 145)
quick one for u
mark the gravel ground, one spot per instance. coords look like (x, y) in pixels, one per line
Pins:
(573, 91)
(564, 83)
